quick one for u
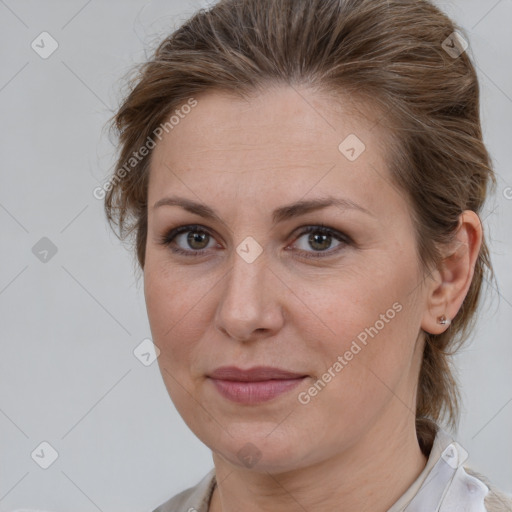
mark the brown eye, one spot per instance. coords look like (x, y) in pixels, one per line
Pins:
(195, 239)
(189, 240)
(320, 239)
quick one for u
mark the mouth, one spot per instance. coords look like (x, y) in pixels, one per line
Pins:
(255, 385)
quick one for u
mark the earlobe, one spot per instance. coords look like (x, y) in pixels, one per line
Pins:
(453, 276)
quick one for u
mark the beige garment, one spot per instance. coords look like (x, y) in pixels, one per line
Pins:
(461, 490)
(193, 499)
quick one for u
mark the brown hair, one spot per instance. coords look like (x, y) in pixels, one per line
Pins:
(393, 54)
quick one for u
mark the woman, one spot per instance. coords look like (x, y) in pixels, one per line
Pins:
(303, 179)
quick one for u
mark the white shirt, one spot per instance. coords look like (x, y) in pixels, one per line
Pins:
(444, 485)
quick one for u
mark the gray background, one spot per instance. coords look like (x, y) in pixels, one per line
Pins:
(68, 375)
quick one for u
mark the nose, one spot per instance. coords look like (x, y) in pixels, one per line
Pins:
(250, 306)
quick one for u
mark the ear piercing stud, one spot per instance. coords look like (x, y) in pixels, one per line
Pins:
(443, 320)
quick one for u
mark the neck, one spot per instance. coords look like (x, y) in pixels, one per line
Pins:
(370, 476)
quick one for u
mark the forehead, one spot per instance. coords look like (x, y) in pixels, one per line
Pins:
(299, 115)
(287, 139)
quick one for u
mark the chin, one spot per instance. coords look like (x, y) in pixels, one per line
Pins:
(256, 450)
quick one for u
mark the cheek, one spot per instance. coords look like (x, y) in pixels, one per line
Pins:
(169, 296)
(368, 319)
(350, 303)
(350, 393)
(170, 315)
(169, 308)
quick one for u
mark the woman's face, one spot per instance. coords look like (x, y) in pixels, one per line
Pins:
(340, 309)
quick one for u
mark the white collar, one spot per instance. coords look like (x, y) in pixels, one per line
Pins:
(444, 485)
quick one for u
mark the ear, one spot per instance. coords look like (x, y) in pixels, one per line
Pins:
(449, 283)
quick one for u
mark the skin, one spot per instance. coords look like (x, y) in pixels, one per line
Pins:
(354, 443)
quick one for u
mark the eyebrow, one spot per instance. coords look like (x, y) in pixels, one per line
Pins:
(278, 215)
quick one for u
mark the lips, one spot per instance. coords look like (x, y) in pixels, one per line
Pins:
(256, 374)
(254, 385)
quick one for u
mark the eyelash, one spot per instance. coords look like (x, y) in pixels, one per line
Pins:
(169, 237)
